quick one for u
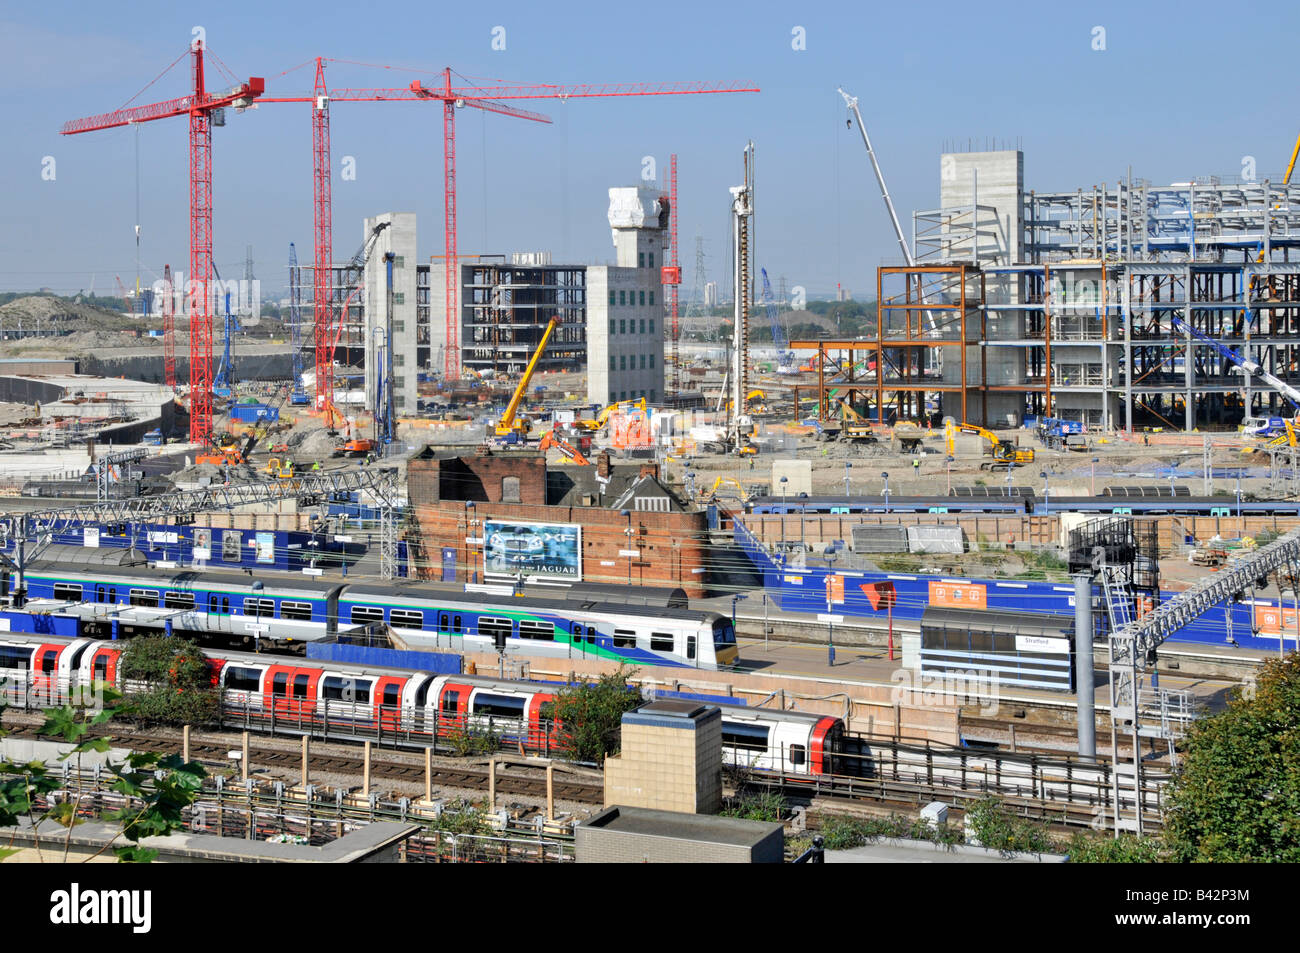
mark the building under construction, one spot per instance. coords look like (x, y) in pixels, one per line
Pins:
(1065, 303)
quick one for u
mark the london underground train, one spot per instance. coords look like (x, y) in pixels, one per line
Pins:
(403, 706)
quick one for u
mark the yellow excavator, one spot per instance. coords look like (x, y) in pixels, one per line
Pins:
(513, 428)
(1006, 454)
(602, 418)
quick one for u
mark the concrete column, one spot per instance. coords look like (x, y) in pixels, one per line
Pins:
(185, 744)
(365, 772)
(1085, 692)
(492, 784)
(305, 757)
(550, 791)
(243, 759)
(428, 775)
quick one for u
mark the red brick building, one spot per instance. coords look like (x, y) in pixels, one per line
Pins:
(622, 509)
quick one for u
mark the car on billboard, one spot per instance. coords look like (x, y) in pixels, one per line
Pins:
(516, 546)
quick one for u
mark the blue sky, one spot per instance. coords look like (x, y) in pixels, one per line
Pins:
(1181, 89)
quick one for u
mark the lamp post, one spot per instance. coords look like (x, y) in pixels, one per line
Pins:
(734, 599)
(1094, 475)
(1047, 495)
(784, 481)
(1239, 495)
(628, 531)
(847, 467)
(885, 476)
(1010, 474)
(949, 464)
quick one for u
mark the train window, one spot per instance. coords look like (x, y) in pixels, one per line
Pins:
(99, 593)
(178, 600)
(455, 625)
(295, 610)
(392, 696)
(112, 594)
(450, 701)
(798, 754)
(243, 679)
(13, 656)
(362, 615)
(661, 641)
(300, 686)
(624, 639)
(67, 592)
(334, 688)
(49, 659)
(690, 646)
(410, 618)
(280, 684)
(495, 628)
(504, 706)
(259, 607)
(144, 597)
(99, 667)
(213, 604)
(443, 622)
(531, 629)
(745, 736)
(225, 605)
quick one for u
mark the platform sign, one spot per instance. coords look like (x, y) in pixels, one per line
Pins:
(1274, 620)
(535, 550)
(90, 537)
(959, 595)
(834, 589)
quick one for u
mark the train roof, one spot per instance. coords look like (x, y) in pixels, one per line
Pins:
(447, 595)
(185, 579)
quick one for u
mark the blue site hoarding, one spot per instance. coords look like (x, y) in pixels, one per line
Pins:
(804, 590)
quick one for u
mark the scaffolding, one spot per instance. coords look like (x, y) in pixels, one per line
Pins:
(1082, 327)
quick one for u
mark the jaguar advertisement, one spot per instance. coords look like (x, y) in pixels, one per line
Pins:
(544, 550)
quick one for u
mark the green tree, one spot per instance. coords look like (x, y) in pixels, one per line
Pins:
(591, 716)
(159, 788)
(170, 681)
(1236, 795)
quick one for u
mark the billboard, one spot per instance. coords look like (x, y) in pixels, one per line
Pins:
(545, 550)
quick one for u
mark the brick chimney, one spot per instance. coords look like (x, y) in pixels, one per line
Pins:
(602, 465)
(650, 470)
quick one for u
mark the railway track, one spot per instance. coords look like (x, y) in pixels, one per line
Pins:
(512, 778)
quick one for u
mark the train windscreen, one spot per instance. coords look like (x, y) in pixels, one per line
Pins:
(723, 633)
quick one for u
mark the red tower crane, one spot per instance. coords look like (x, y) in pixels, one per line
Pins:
(199, 106)
(487, 98)
(672, 272)
(169, 329)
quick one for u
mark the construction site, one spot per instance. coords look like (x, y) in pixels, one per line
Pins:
(1051, 480)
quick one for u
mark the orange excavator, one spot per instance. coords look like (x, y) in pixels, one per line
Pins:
(553, 439)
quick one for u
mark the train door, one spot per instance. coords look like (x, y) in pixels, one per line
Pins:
(541, 708)
(103, 665)
(453, 703)
(387, 695)
(45, 673)
(292, 690)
